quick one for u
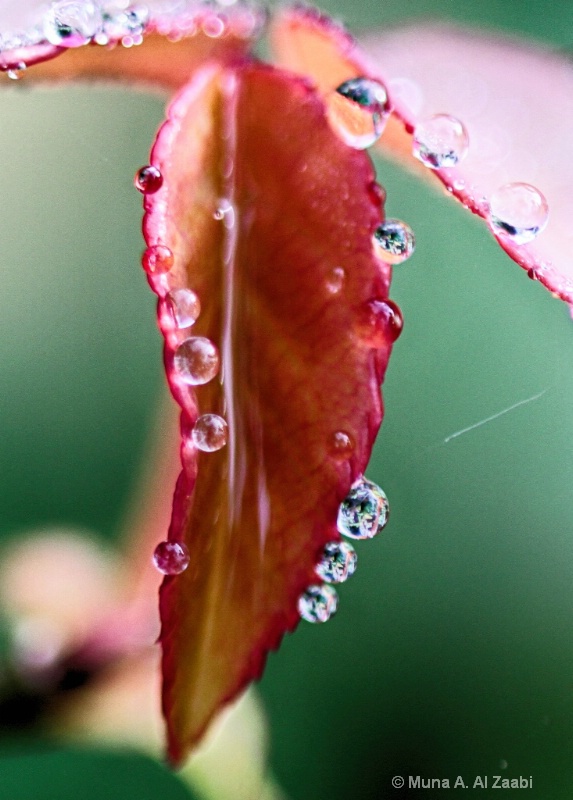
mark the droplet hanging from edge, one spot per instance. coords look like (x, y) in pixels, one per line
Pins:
(364, 513)
(196, 360)
(518, 211)
(441, 141)
(358, 111)
(171, 558)
(148, 180)
(16, 72)
(394, 241)
(380, 322)
(183, 306)
(72, 23)
(157, 259)
(338, 562)
(318, 603)
(209, 433)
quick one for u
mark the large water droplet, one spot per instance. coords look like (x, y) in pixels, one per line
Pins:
(519, 211)
(157, 259)
(440, 141)
(338, 562)
(184, 307)
(196, 360)
(394, 241)
(171, 558)
(380, 322)
(209, 433)
(318, 603)
(358, 110)
(72, 23)
(148, 180)
(364, 512)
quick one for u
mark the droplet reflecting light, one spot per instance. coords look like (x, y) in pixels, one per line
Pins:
(318, 603)
(210, 433)
(338, 562)
(148, 180)
(394, 241)
(519, 211)
(364, 513)
(72, 23)
(157, 259)
(196, 360)
(440, 141)
(171, 558)
(184, 307)
(358, 111)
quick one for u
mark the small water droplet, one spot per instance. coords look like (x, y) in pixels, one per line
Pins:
(171, 558)
(381, 322)
(72, 23)
(184, 307)
(16, 72)
(157, 259)
(377, 194)
(358, 111)
(365, 511)
(148, 180)
(210, 433)
(338, 562)
(440, 141)
(318, 603)
(394, 241)
(532, 274)
(519, 211)
(121, 24)
(341, 445)
(459, 184)
(335, 280)
(196, 360)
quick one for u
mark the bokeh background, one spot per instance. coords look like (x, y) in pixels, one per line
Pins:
(452, 652)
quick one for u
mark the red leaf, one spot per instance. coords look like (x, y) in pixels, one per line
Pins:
(514, 99)
(261, 206)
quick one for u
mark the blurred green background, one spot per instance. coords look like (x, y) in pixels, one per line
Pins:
(452, 651)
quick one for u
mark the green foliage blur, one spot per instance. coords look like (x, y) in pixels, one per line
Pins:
(452, 651)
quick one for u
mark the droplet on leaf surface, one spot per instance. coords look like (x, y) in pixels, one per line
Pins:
(338, 562)
(209, 433)
(380, 322)
(184, 307)
(72, 23)
(365, 511)
(171, 558)
(318, 603)
(440, 141)
(519, 211)
(358, 110)
(196, 360)
(157, 259)
(148, 180)
(394, 241)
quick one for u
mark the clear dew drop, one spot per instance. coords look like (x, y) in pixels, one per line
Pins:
(171, 558)
(16, 72)
(358, 111)
(196, 360)
(72, 23)
(364, 513)
(148, 180)
(335, 280)
(157, 259)
(318, 603)
(394, 241)
(184, 307)
(338, 562)
(441, 141)
(209, 433)
(121, 24)
(518, 211)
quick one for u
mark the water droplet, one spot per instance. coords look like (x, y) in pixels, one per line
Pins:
(196, 360)
(184, 307)
(16, 72)
(121, 24)
(394, 241)
(210, 433)
(335, 280)
(358, 110)
(380, 322)
(72, 23)
(532, 274)
(171, 558)
(459, 184)
(519, 211)
(318, 603)
(148, 180)
(440, 141)
(338, 562)
(341, 446)
(157, 259)
(364, 512)
(377, 194)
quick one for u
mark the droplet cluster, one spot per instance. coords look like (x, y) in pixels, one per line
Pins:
(361, 515)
